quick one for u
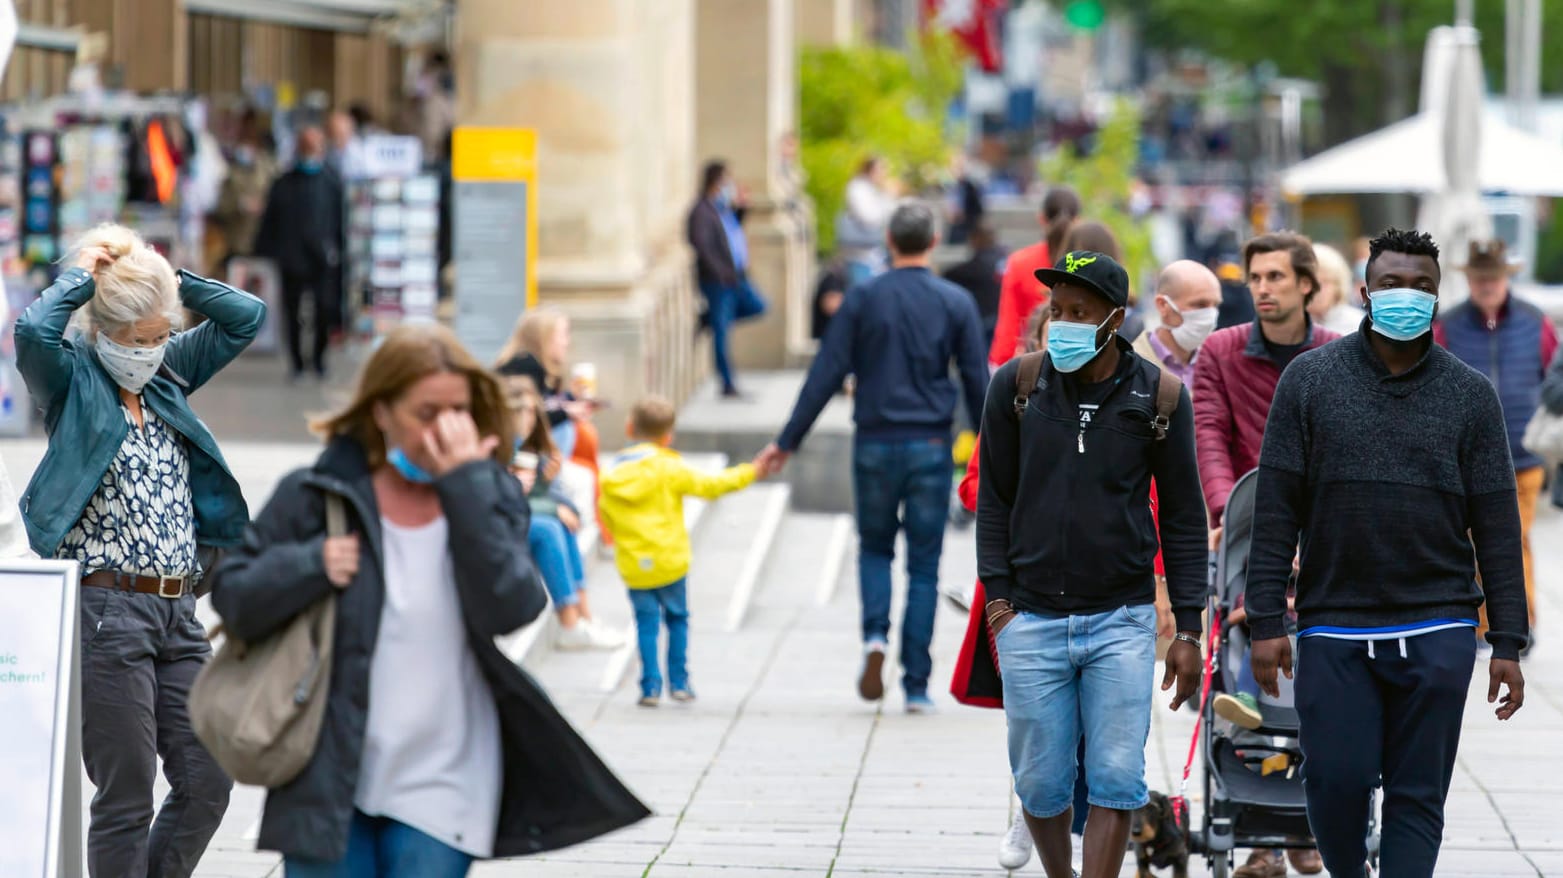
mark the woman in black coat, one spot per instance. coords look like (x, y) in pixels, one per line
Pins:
(417, 755)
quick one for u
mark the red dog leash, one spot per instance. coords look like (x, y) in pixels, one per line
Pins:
(1180, 803)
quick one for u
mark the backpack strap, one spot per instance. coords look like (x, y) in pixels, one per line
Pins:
(336, 515)
(1168, 389)
(1026, 379)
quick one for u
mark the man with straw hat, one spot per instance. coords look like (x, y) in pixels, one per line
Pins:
(1511, 342)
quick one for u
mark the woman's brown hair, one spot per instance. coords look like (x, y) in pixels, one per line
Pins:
(1092, 235)
(407, 355)
(520, 392)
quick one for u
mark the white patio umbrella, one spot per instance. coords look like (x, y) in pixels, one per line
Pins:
(1453, 213)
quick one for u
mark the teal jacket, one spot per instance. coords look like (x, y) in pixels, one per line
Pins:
(81, 406)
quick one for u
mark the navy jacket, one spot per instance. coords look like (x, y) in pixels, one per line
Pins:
(81, 405)
(1513, 353)
(898, 333)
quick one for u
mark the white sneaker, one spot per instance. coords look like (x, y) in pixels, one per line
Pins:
(1015, 848)
(587, 634)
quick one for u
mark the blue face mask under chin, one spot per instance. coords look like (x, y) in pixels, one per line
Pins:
(1402, 314)
(1072, 345)
(410, 471)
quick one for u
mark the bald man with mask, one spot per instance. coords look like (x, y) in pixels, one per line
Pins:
(1188, 296)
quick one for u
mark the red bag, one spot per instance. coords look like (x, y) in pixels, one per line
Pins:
(976, 681)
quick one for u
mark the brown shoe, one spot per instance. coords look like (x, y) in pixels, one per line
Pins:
(1262, 864)
(871, 684)
(1306, 862)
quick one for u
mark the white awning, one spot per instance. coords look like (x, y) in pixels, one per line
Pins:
(1406, 157)
(355, 16)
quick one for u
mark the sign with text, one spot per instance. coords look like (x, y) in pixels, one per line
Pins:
(494, 232)
(40, 748)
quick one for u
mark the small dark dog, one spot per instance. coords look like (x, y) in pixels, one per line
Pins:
(1158, 842)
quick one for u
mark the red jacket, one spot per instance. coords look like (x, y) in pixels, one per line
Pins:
(1019, 294)
(1234, 384)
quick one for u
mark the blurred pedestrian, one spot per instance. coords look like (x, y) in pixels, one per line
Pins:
(864, 217)
(1225, 258)
(1511, 342)
(715, 230)
(241, 201)
(1552, 398)
(539, 349)
(1019, 292)
(1333, 307)
(132, 488)
(302, 232)
(1235, 377)
(967, 209)
(436, 749)
(556, 521)
(1389, 457)
(830, 290)
(982, 275)
(898, 334)
(643, 506)
(1188, 297)
(1238, 367)
(1071, 607)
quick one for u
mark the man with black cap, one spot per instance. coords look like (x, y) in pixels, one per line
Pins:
(1066, 547)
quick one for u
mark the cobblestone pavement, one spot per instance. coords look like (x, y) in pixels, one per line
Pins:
(780, 769)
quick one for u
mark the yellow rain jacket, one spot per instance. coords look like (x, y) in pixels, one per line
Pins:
(642, 504)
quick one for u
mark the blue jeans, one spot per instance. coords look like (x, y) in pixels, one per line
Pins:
(1065, 674)
(379, 847)
(725, 307)
(885, 477)
(558, 559)
(564, 438)
(653, 607)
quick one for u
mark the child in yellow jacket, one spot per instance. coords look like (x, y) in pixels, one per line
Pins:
(642, 505)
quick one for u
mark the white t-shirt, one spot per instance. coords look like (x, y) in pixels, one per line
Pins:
(431, 751)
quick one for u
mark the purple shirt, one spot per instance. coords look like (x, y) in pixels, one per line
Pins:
(1184, 371)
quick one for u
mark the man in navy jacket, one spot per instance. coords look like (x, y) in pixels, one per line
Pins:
(898, 333)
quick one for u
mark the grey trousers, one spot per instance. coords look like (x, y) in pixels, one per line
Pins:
(139, 655)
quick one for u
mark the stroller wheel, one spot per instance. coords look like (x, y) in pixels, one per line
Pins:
(1221, 866)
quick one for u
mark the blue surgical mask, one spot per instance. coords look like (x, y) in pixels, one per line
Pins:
(1402, 314)
(410, 471)
(1072, 345)
(310, 166)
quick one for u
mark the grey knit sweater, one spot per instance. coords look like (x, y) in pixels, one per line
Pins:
(1398, 485)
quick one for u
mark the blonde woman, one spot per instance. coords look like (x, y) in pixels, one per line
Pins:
(1331, 307)
(436, 749)
(131, 484)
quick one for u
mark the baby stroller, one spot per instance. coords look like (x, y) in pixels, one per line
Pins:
(1253, 781)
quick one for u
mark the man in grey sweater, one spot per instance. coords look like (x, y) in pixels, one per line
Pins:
(1389, 458)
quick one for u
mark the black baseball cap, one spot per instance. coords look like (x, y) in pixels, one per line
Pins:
(1097, 272)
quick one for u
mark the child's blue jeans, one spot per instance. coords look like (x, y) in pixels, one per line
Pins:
(558, 558)
(653, 607)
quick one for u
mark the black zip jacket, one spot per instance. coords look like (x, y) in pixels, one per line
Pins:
(1061, 531)
(556, 792)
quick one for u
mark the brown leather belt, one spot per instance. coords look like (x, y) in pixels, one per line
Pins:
(171, 587)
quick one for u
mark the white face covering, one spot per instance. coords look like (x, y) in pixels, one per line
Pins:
(130, 367)
(1197, 326)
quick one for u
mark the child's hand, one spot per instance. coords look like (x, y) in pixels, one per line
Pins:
(570, 520)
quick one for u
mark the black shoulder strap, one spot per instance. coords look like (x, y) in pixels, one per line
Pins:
(1168, 388)
(1026, 379)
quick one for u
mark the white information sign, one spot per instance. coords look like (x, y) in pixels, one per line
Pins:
(40, 695)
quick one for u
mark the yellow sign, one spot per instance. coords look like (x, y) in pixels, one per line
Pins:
(494, 155)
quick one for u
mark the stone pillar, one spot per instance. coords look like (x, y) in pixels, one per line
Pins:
(826, 22)
(746, 101)
(608, 85)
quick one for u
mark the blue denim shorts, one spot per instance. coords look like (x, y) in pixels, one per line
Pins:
(1071, 675)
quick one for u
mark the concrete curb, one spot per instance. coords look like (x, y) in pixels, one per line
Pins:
(754, 561)
(835, 556)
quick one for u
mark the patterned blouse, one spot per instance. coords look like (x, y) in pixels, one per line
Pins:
(142, 517)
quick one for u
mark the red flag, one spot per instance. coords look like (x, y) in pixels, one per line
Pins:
(975, 22)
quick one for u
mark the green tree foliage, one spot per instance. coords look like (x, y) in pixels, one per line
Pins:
(1104, 180)
(869, 100)
(1366, 53)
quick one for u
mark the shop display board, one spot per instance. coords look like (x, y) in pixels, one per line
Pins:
(494, 240)
(393, 226)
(40, 740)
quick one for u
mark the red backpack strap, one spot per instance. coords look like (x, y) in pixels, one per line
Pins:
(1026, 379)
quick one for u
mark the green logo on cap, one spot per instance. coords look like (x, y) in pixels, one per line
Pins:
(1074, 262)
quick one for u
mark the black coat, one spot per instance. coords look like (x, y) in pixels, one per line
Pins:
(713, 254)
(557, 792)
(302, 229)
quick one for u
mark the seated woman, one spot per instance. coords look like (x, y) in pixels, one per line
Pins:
(555, 521)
